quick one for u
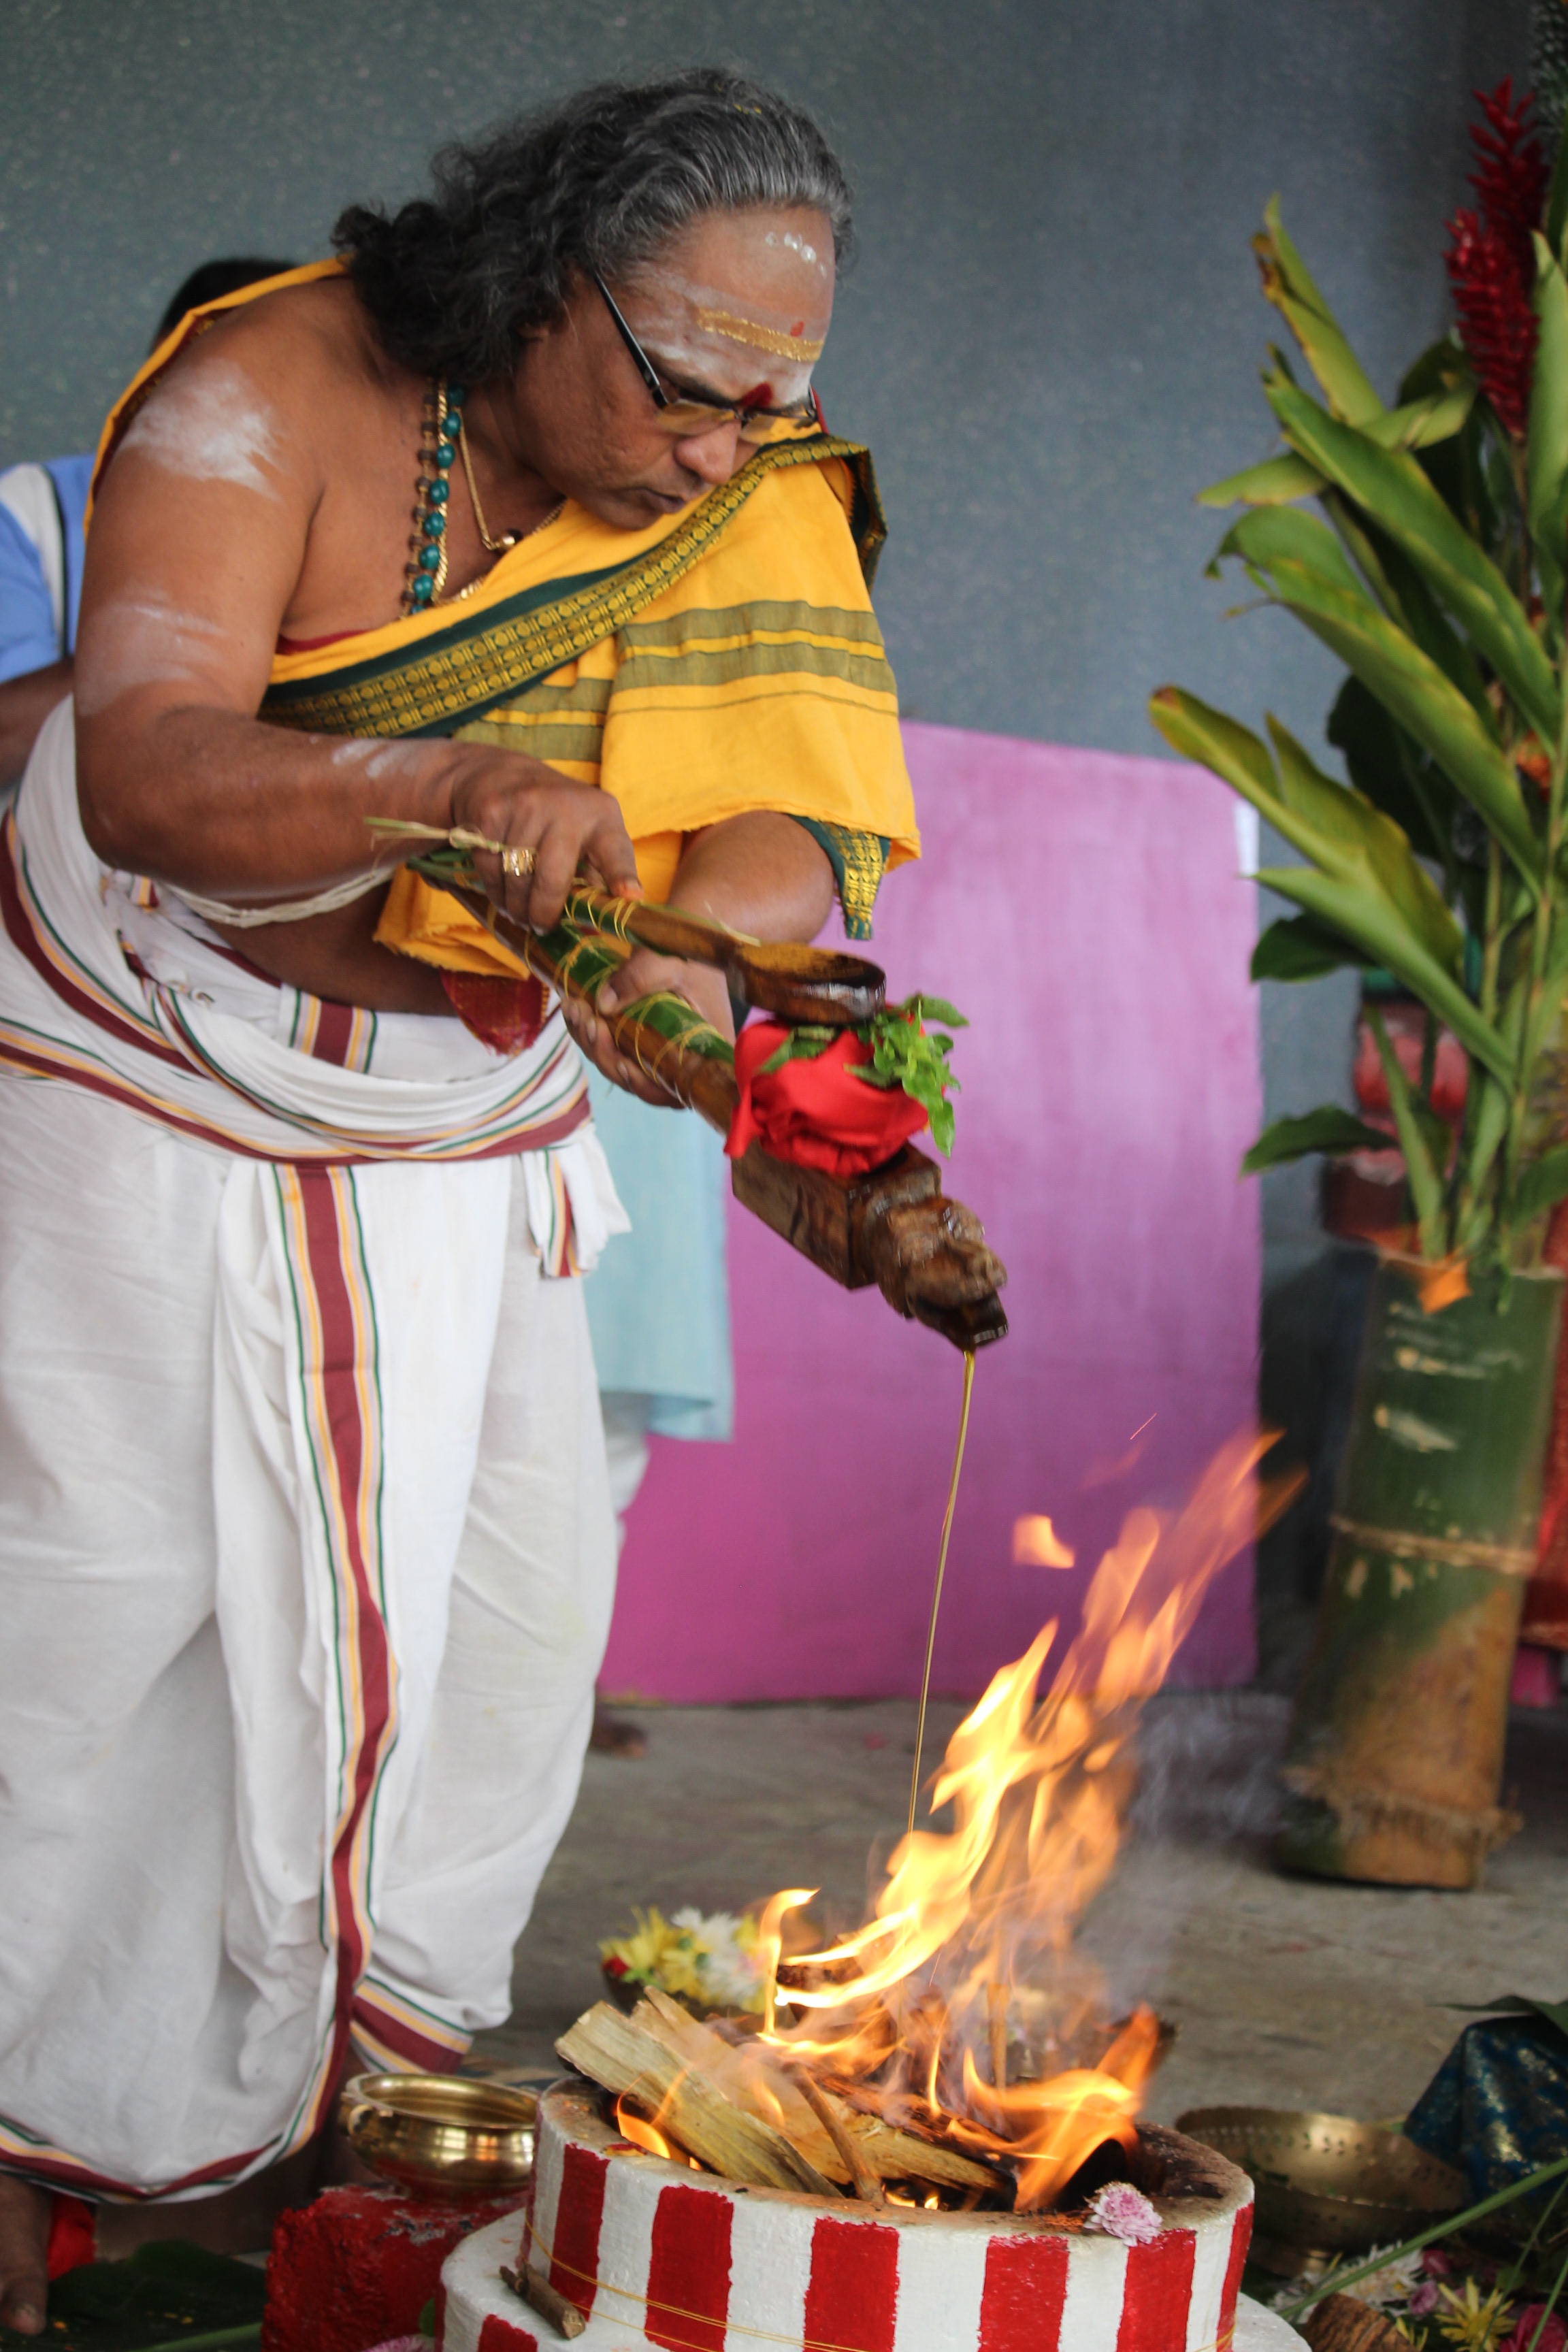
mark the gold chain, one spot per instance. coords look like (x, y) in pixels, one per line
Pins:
(509, 538)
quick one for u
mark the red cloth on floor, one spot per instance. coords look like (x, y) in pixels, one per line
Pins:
(506, 1014)
(813, 1113)
(73, 2235)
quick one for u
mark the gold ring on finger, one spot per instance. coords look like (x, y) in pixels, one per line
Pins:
(516, 862)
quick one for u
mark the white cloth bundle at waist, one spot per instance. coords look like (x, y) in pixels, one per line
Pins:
(108, 986)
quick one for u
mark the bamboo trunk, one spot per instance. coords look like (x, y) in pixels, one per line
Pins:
(1395, 1764)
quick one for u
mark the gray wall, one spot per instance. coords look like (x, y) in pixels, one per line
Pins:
(1051, 339)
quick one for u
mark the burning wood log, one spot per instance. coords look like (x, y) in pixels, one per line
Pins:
(764, 2084)
(742, 2113)
(867, 2187)
(619, 2054)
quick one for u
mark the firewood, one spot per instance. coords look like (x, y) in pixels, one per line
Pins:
(618, 2054)
(909, 2151)
(770, 2086)
(535, 2290)
(895, 2155)
(1341, 2324)
(867, 2187)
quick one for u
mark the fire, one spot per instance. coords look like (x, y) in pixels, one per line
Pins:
(643, 2135)
(1036, 1544)
(962, 2008)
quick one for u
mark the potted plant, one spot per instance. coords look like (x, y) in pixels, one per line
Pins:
(1426, 543)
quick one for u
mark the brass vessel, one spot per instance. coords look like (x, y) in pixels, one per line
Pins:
(1327, 2184)
(441, 2135)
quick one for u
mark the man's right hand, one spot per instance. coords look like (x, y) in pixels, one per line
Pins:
(570, 828)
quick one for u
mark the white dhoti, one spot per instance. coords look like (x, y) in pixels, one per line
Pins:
(306, 1550)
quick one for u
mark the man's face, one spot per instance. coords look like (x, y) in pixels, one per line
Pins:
(733, 310)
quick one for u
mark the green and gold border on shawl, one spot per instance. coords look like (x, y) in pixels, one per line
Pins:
(499, 650)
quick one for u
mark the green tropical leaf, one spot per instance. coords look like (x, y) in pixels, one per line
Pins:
(1297, 947)
(1556, 221)
(1288, 284)
(1426, 703)
(1329, 1130)
(1388, 946)
(1422, 424)
(1364, 881)
(1274, 483)
(1340, 815)
(1542, 1184)
(1547, 461)
(1274, 534)
(1400, 498)
(1392, 771)
(1424, 1180)
(1406, 599)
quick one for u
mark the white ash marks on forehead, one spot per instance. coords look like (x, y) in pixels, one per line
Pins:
(210, 425)
(717, 336)
(143, 639)
(787, 239)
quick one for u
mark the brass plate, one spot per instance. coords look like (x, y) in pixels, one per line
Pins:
(443, 2135)
(1327, 2184)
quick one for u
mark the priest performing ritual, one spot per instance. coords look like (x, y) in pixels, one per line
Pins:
(511, 536)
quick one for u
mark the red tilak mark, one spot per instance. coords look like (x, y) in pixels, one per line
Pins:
(852, 2297)
(689, 2273)
(1158, 2292)
(798, 328)
(1025, 2289)
(761, 396)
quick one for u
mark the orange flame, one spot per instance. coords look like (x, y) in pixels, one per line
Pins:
(985, 1911)
(1036, 1544)
(643, 2135)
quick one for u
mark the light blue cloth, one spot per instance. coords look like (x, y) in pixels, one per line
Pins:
(658, 1299)
(29, 637)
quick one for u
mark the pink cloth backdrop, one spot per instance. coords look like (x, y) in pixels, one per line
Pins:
(1084, 911)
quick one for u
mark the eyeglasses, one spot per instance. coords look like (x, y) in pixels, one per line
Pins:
(685, 415)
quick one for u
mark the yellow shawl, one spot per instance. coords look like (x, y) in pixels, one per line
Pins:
(726, 658)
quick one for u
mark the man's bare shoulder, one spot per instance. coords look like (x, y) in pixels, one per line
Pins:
(295, 375)
(315, 337)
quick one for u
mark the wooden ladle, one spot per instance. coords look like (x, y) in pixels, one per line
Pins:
(799, 983)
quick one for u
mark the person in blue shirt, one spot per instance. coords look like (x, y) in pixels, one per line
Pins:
(42, 511)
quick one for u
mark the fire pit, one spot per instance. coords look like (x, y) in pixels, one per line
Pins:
(927, 2140)
(655, 2252)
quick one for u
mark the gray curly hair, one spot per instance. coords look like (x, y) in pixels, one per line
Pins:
(601, 183)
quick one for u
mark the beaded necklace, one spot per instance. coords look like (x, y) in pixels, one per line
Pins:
(425, 575)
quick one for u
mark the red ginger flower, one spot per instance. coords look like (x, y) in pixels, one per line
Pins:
(1490, 261)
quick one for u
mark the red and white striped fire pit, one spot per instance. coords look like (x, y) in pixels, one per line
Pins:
(656, 2254)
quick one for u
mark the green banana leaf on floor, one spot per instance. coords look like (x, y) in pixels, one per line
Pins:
(161, 2296)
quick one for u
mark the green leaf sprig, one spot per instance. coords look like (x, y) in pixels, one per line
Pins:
(904, 1053)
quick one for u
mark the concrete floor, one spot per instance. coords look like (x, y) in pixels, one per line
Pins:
(1288, 1992)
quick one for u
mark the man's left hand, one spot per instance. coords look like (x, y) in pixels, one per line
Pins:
(644, 973)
